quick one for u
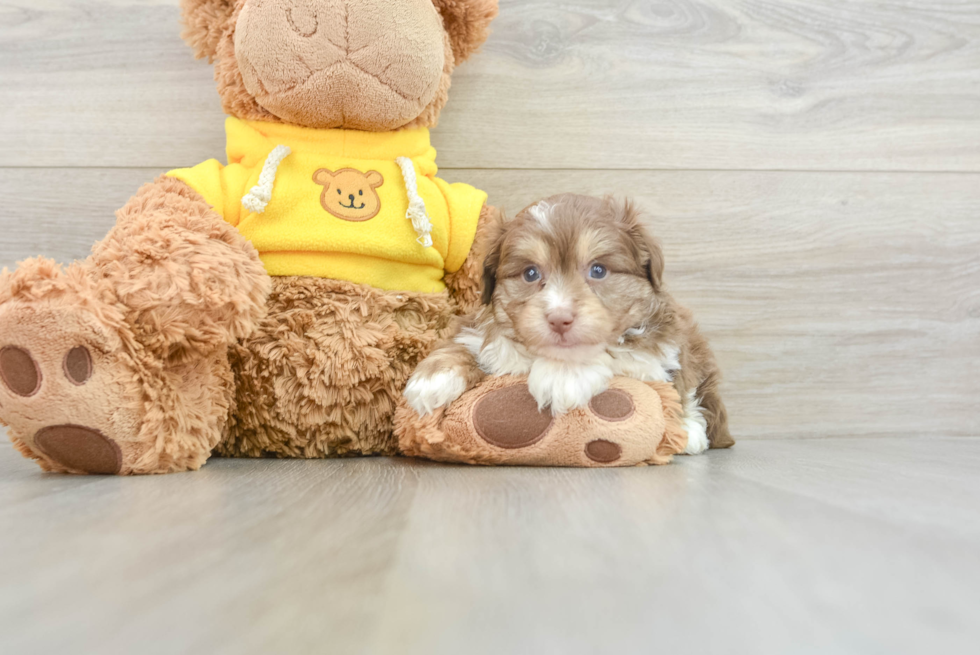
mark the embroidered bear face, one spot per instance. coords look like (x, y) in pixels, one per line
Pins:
(350, 194)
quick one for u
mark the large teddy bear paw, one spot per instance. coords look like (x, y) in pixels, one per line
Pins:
(498, 422)
(66, 388)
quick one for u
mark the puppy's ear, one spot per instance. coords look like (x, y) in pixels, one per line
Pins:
(489, 281)
(646, 248)
(205, 22)
(467, 22)
(655, 266)
(495, 239)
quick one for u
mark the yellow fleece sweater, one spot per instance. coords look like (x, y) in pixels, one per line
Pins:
(336, 205)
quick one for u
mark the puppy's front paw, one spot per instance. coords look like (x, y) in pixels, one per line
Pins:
(566, 387)
(697, 438)
(427, 393)
(696, 427)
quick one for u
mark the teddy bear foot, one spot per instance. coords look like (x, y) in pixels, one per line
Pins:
(632, 423)
(67, 390)
(66, 394)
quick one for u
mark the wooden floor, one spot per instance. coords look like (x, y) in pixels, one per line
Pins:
(803, 546)
(813, 170)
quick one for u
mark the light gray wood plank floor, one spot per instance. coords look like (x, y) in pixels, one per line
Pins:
(807, 546)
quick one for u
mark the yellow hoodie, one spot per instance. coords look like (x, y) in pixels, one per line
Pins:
(342, 204)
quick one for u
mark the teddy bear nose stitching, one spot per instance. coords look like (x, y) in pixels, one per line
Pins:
(303, 20)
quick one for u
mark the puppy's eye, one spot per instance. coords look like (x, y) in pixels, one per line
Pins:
(361, 192)
(598, 271)
(338, 192)
(532, 274)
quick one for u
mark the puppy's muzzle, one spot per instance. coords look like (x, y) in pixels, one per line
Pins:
(561, 321)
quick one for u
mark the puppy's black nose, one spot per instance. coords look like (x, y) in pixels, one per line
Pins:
(351, 196)
(561, 321)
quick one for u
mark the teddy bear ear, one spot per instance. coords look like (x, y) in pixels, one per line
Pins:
(468, 23)
(205, 21)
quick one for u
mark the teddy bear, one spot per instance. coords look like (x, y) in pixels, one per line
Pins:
(275, 305)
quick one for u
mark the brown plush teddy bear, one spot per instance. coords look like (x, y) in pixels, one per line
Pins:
(276, 305)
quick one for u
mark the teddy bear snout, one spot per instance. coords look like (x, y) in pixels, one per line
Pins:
(368, 65)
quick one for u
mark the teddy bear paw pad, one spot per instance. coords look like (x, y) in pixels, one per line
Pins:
(19, 371)
(510, 418)
(603, 451)
(80, 449)
(613, 405)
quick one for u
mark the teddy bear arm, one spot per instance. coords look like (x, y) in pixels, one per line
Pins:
(499, 422)
(465, 286)
(187, 279)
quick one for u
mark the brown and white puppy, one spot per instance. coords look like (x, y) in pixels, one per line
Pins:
(573, 297)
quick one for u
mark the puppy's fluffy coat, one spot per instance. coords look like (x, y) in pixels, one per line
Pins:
(573, 297)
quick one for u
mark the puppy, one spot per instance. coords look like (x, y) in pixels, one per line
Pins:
(573, 296)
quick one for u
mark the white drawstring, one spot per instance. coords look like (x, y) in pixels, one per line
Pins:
(416, 206)
(261, 194)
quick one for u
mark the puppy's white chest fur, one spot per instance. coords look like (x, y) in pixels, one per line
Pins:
(560, 384)
(645, 365)
(564, 386)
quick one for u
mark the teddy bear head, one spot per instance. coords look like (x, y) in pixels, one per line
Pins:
(373, 65)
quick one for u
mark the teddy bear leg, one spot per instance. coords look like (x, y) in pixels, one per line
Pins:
(322, 374)
(118, 364)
